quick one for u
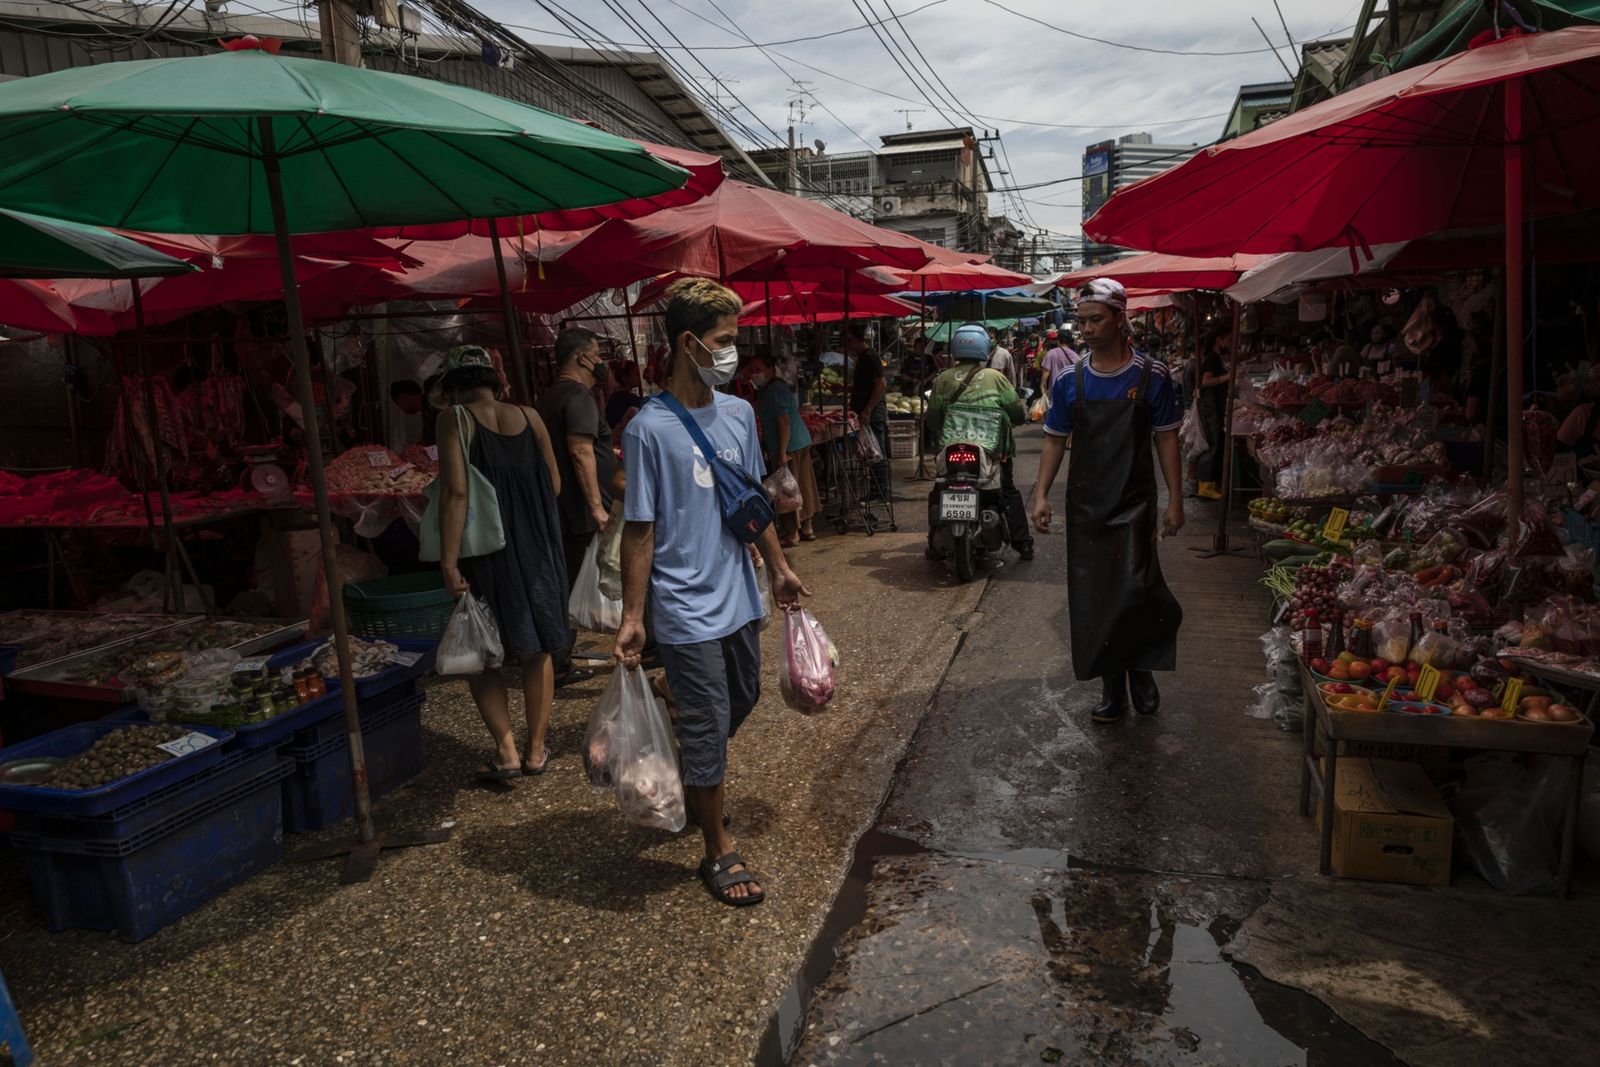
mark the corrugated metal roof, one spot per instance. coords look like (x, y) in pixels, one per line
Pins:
(954, 144)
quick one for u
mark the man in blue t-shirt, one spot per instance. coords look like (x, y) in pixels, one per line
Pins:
(1124, 620)
(700, 583)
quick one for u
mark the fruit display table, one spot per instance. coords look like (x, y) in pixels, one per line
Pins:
(1390, 728)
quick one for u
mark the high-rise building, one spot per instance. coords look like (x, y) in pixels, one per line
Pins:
(1110, 165)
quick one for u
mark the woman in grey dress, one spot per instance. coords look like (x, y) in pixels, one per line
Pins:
(525, 583)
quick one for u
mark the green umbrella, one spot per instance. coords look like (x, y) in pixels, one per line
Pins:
(249, 142)
(180, 146)
(32, 246)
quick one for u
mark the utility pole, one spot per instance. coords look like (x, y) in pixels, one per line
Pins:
(341, 34)
(797, 117)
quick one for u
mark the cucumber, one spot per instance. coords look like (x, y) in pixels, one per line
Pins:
(1278, 550)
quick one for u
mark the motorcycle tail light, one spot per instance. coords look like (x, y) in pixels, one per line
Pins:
(962, 456)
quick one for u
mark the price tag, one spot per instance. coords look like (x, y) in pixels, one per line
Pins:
(395, 472)
(250, 666)
(190, 742)
(406, 659)
(1388, 693)
(1512, 695)
(1333, 529)
(378, 459)
(433, 452)
(1427, 682)
(1314, 413)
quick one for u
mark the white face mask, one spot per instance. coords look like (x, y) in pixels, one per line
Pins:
(724, 364)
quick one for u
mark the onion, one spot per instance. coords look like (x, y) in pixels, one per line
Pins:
(1536, 714)
(1560, 713)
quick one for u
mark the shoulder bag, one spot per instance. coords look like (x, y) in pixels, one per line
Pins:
(483, 533)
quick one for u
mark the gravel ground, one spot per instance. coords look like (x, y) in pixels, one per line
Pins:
(546, 930)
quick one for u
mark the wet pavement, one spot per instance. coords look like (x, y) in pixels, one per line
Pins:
(1039, 888)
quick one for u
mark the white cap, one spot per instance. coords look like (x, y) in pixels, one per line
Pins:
(1104, 291)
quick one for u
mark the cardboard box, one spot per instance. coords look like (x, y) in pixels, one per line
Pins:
(1389, 824)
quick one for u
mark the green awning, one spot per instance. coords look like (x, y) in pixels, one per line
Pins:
(32, 246)
(176, 146)
(943, 330)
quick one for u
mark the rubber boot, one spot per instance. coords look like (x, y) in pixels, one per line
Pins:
(1209, 491)
(1113, 699)
(1146, 697)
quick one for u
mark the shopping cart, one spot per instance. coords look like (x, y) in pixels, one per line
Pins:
(851, 499)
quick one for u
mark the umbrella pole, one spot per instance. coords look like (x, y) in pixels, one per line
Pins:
(1219, 540)
(922, 474)
(363, 856)
(513, 334)
(1514, 178)
(178, 561)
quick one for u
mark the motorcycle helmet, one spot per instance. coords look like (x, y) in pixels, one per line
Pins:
(970, 342)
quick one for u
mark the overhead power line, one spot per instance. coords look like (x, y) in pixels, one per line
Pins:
(732, 47)
(1135, 47)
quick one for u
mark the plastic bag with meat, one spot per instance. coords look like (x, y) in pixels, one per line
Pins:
(643, 762)
(809, 660)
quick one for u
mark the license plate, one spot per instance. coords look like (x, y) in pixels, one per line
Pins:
(959, 507)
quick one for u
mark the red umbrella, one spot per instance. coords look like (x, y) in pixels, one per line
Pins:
(1402, 157)
(36, 305)
(869, 280)
(949, 276)
(1158, 270)
(797, 308)
(735, 228)
(1446, 145)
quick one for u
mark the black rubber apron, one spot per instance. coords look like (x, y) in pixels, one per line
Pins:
(1123, 616)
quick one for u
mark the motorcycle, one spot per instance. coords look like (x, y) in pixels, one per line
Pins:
(966, 515)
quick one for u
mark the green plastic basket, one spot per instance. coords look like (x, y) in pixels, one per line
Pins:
(404, 605)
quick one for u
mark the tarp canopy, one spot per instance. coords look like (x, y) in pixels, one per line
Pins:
(942, 331)
(1158, 270)
(33, 246)
(965, 306)
(797, 308)
(1469, 18)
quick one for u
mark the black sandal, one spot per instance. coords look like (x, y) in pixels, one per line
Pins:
(493, 773)
(545, 766)
(719, 880)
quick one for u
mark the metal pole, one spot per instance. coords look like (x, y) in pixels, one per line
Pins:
(319, 489)
(513, 333)
(1513, 205)
(141, 345)
(922, 400)
(1220, 541)
(1497, 362)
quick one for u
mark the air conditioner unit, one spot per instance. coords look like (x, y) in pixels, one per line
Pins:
(888, 205)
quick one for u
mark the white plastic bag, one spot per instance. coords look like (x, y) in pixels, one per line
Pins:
(867, 446)
(589, 608)
(644, 764)
(471, 640)
(1193, 432)
(784, 491)
(766, 593)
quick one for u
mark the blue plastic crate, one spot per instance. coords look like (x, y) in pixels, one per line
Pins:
(71, 740)
(168, 871)
(105, 834)
(318, 793)
(8, 658)
(330, 730)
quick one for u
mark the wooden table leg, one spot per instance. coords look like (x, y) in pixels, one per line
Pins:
(1569, 828)
(1330, 773)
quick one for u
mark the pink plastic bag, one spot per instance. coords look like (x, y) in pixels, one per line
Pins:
(809, 660)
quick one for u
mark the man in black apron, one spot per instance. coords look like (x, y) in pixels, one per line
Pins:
(1124, 618)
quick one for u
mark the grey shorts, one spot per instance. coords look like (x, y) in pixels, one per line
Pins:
(716, 685)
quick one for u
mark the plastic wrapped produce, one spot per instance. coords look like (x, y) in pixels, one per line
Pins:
(807, 681)
(471, 640)
(784, 490)
(1392, 638)
(643, 764)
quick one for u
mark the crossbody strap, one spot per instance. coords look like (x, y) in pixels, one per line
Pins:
(674, 405)
(964, 383)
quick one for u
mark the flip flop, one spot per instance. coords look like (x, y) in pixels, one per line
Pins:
(493, 773)
(545, 766)
(574, 676)
(719, 880)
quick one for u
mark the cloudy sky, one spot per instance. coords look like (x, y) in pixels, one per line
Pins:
(1048, 93)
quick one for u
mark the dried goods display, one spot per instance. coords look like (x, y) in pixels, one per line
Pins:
(367, 658)
(375, 469)
(115, 756)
